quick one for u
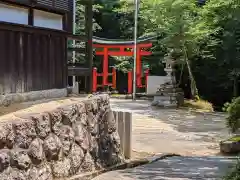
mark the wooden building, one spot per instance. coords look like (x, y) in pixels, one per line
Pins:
(33, 44)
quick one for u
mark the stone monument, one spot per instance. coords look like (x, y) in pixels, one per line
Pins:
(168, 94)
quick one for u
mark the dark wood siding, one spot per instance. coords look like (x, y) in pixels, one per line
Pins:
(31, 61)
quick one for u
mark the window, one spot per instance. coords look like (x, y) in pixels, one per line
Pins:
(13, 14)
(47, 20)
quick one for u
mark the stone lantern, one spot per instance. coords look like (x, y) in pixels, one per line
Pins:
(168, 95)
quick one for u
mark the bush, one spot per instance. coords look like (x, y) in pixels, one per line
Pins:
(225, 106)
(234, 174)
(233, 119)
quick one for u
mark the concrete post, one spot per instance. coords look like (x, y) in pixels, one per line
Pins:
(121, 132)
(124, 127)
(128, 135)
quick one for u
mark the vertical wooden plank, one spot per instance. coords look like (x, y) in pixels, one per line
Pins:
(35, 61)
(56, 64)
(59, 69)
(24, 34)
(20, 62)
(11, 73)
(65, 68)
(29, 63)
(2, 60)
(44, 59)
(52, 60)
(37, 64)
(48, 62)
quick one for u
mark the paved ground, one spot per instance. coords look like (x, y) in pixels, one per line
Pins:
(173, 131)
(175, 168)
(194, 136)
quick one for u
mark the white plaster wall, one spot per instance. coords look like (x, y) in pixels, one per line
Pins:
(13, 14)
(154, 82)
(48, 20)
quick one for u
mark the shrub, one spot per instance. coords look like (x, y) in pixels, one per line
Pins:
(225, 106)
(234, 174)
(233, 119)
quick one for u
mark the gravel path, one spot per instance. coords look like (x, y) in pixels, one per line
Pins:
(179, 131)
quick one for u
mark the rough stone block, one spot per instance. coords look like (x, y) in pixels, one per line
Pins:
(52, 146)
(95, 106)
(115, 139)
(88, 106)
(70, 114)
(24, 133)
(14, 174)
(4, 131)
(83, 118)
(110, 120)
(40, 173)
(43, 124)
(94, 147)
(20, 159)
(35, 151)
(56, 120)
(76, 157)
(88, 164)
(81, 107)
(229, 147)
(61, 168)
(92, 123)
(10, 137)
(4, 159)
(82, 136)
(67, 138)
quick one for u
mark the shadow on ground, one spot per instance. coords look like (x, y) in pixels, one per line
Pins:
(176, 168)
(208, 127)
(184, 168)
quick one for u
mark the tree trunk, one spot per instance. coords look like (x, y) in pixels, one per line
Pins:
(194, 90)
(235, 87)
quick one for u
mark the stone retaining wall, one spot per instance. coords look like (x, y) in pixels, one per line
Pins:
(61, 142)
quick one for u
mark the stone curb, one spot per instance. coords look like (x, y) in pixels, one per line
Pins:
(91, 175)
(164, 156)
(126, 165)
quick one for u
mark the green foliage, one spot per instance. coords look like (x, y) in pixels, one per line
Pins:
(233, 119)
(204, 40)
(235, 139)
(234, 174)
(225, 106)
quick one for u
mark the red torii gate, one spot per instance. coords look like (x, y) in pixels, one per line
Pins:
(121, 52)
